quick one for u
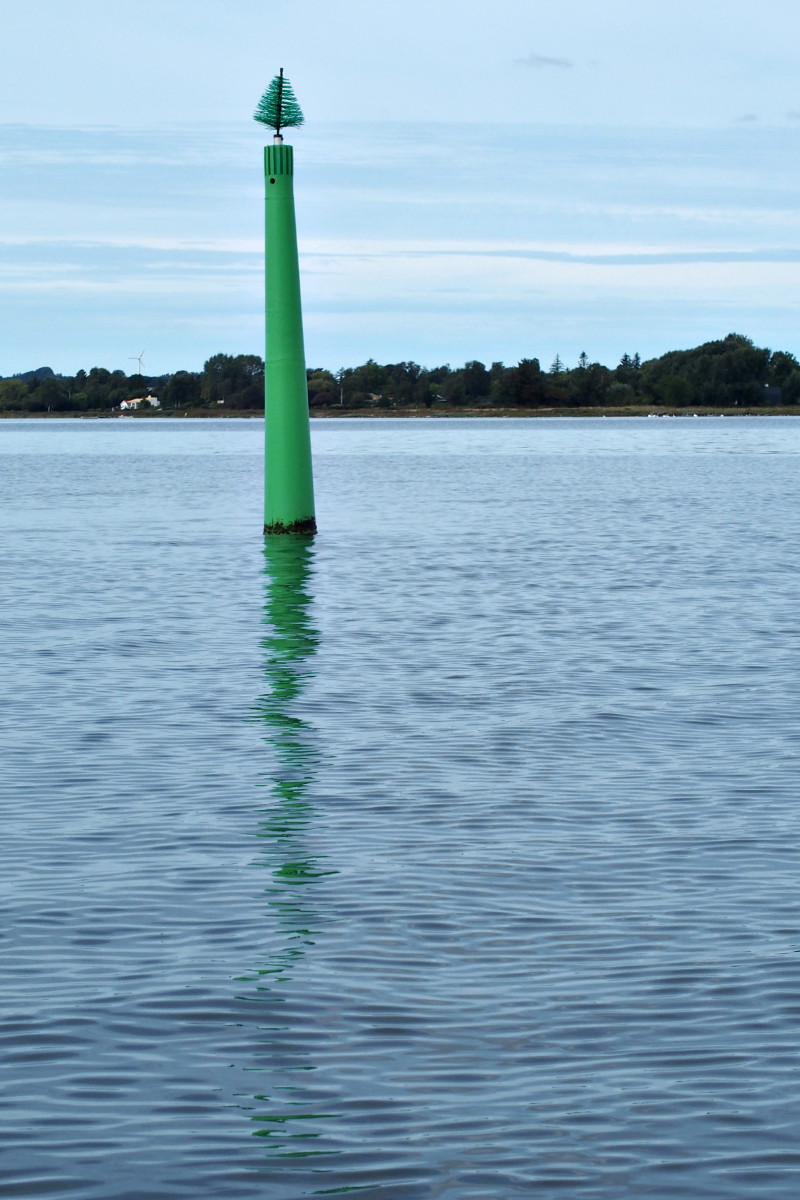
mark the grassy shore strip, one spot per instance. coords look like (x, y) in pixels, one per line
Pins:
(438, 413)
(628, 411)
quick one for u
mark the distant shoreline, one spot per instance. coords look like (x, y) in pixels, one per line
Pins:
(438, 414)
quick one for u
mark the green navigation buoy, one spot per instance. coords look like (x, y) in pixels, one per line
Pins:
(289, 483)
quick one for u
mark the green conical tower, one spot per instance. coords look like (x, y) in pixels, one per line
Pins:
(289, 484)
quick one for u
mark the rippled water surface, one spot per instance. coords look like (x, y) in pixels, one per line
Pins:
(452, 854)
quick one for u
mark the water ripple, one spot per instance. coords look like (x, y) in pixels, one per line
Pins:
(449, 855)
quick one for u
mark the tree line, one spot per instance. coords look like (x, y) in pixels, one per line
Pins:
(729, 373)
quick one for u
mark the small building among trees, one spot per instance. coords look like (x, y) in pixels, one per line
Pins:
(152, 401)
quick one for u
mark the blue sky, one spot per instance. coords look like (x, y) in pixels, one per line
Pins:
(473, 181)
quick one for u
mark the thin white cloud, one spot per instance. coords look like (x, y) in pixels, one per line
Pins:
(219, 245)
(539, 62)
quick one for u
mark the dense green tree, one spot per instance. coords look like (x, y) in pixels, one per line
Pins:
(726, 373)
(48, 395)
(184, 390)
(98, 387)
(13, 395)
(628, 370)
(781, 367)
(790, 388)
(589, 385)
(496, 374)
(477, 382)
(523, 386)
(620, 394)
(364, 385)
(470, 385)
(673, 391)
(137, 385)
(322, 388)
(235, 379)
(400, 385)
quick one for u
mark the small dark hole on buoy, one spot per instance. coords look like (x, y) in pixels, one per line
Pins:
(272, 180)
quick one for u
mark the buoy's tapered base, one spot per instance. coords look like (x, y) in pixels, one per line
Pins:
(289, 485)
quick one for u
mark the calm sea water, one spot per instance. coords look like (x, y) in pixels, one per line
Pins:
(452, 854)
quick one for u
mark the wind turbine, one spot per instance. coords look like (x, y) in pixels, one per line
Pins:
(138, 358)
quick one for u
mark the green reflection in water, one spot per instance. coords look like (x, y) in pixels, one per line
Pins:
(290, 643)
